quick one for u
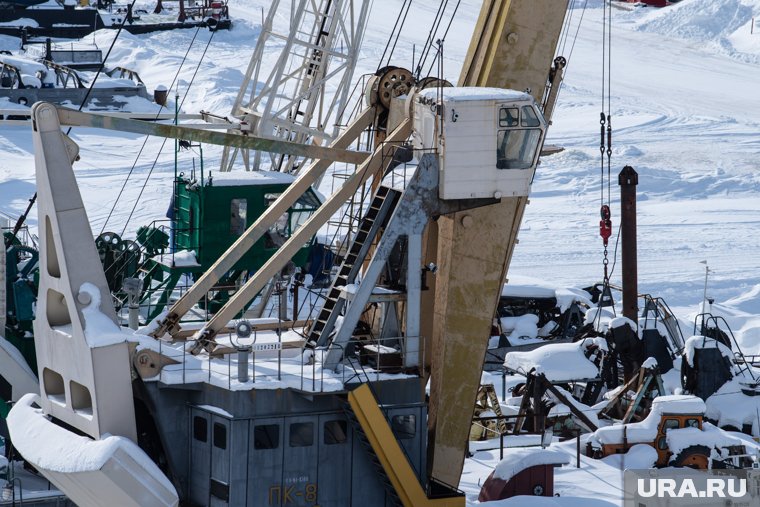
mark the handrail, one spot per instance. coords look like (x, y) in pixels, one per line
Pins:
(224, 369)
(717, 319)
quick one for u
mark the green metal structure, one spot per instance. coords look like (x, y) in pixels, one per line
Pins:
(206, 217)
(21, 281)
(210, 217)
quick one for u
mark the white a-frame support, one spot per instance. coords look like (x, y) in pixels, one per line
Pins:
(83, 358)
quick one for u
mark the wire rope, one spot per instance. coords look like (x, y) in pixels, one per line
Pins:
(439, 41)
(155, 161)
(145, 141)
(400, 18)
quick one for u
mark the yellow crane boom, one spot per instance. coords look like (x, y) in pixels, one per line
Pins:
(513, 47)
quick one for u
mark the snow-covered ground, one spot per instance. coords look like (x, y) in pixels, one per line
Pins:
(684, 112)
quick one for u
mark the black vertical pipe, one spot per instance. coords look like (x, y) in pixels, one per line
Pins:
(628, 179)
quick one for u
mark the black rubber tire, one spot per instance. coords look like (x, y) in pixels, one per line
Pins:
(694, 456)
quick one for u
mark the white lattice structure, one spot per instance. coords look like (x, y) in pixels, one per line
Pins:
(289, 100)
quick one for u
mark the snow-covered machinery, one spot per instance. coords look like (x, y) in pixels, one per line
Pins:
(676, 429)
(18, 295)
(554, 374)
(523, 471)
(84, 358)
(714, 368)
(26, 81)
(584, 371)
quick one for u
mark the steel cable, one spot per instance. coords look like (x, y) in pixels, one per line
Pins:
(145, 141)
(155, 161)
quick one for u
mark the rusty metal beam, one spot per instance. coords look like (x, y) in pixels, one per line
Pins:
(79, 119)
(628, 179)
(513, 47)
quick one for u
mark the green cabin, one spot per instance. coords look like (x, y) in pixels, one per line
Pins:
(207, 217)
(210, 216)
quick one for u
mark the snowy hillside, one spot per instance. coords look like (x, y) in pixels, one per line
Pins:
(684, 116)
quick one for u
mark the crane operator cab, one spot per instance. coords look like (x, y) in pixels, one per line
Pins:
(488, 140)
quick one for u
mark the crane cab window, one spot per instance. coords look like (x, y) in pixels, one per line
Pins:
(529, 118)
(278, 234)
(508, 117)
(200, 429)
(518, 138)
(220, 436)
(291, 220)
(404, 426)
(516, 149)
(670, 424)
(301, 434)
(266, 436)
(335, 432)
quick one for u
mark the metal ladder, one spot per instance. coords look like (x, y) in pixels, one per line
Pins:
(377, 215)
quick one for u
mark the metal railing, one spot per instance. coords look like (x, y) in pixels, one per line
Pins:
(546, 433)
(710, 326)
(297, 369)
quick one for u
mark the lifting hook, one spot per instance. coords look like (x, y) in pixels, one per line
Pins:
(605, 224)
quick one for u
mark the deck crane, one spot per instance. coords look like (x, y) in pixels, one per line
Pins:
(320, 43)
(513, 46)
(460, 213)
(287, 100)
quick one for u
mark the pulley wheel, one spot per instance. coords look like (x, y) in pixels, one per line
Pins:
(394, 82)
(433, 82)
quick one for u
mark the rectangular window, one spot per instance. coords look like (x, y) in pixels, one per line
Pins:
(404, 426)
(220, 436)
(335, 432)
(508, 116)
(219, 489)
(266, 436)
(238, 216)
(200, 429)
(529, 117)
(301, 434)
(516, 149)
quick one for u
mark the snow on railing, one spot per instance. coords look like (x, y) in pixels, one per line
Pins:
(275, 365)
